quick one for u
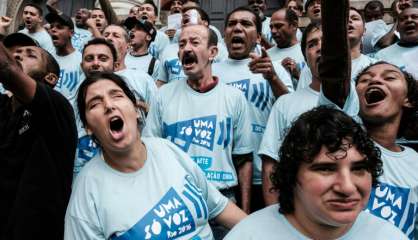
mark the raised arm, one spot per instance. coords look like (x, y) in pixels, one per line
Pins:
(335, 62)
(110, 14)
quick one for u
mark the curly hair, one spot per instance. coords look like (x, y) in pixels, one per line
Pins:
(321, 126)
(409, 118)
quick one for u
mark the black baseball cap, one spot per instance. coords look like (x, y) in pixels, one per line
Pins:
(19, 39)
(132, 22)
(61, 18)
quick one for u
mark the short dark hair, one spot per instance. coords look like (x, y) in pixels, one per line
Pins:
(299, 4)
(151, 2)
(320, 127)
(51, 66)
(82, 90)
(409, 115)
(359, 13)
(374, 4)
(40, 11)
(258, 23)
(99, 41)
(203, 15)
(316, 25)
(291, 17)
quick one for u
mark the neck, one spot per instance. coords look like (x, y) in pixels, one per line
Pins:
(121, 66)
(315, 84)
(38, 28)
(139, 51)
(385, 134)
(128, 161)
(65, 50)
(202, 82)
(355, 51)
(314, 230)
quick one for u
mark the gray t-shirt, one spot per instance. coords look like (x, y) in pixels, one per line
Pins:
(168, 198)
(43, 38)
(268, 223)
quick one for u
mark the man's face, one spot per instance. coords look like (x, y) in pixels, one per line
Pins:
(314, 10)
(60, 34)
(313, 50)
(138, 38)
(292, 5)
(146, 12)
(334, 188)
(355, 28)
(259, 6)
(176, 6)
(194, 53)
(241, 35)
(31, 18)
(373, 14)
(282, 31)
(133, 12)
(191, 17)
(97, 58)
(31, 59)
(111, 116)
(382, 92)
(116, 35)
(81, 17)
(404, 4)
(100, 19)
(408, 25)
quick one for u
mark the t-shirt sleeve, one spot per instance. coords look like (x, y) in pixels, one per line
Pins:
(351, 105)
(153, 124)
(157, 67)
(272, 137)
(242, 139)
(162, 70)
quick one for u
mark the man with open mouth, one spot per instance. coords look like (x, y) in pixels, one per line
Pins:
(260, 81)
(82, 33)
(137, 187)
(69, 59)
(385, 100)
(408, 43)
(313, 10)
(205, 117)
(32, 18)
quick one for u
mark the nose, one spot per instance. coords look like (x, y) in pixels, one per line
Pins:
(108, 105)
(344, 184)
(18, 55)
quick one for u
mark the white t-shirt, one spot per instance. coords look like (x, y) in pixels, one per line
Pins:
(265, 30)
(357, 65)
(168, 198)
(396, 199)
(71, 74)
(142, 62)
(43, 38)
(209, 126)
(142, 85)
(394, 54)
(278, 54)
(157, 46)
(259, 95)
(375, 30)
(285, 110)
(268, 223)
(80, 38)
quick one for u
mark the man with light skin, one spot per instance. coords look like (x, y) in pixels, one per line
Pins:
(82, 33)
(38, 143)
(176, 7)
(98, 19)
(32, 18)
(212, 120)
(284, 25)
(255, 75)
(148, 12)
(313, 10)
(61, 32)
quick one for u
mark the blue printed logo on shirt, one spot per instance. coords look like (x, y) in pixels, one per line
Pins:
(260, 92)
(391, 203)
(173, 66)
(242, 85)
(68, 81)
(198, 131)
(168, 219)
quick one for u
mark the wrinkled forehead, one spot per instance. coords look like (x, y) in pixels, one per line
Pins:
(114, 29)
(381, 68)
(97, 49)
(409, 12)
(194, 31)
(242, 15)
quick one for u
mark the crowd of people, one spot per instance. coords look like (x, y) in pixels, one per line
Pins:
(111, 128)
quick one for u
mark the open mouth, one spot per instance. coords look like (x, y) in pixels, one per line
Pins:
(54, 37)
(410, 28)
(317, 11)
(374, 95)
(98, 25)
(116, 124)
(188, 59)
(237, 41)
(144, 17)
(350, 28)
(177, 11)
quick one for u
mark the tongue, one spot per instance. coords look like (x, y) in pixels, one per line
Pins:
(116, 135)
